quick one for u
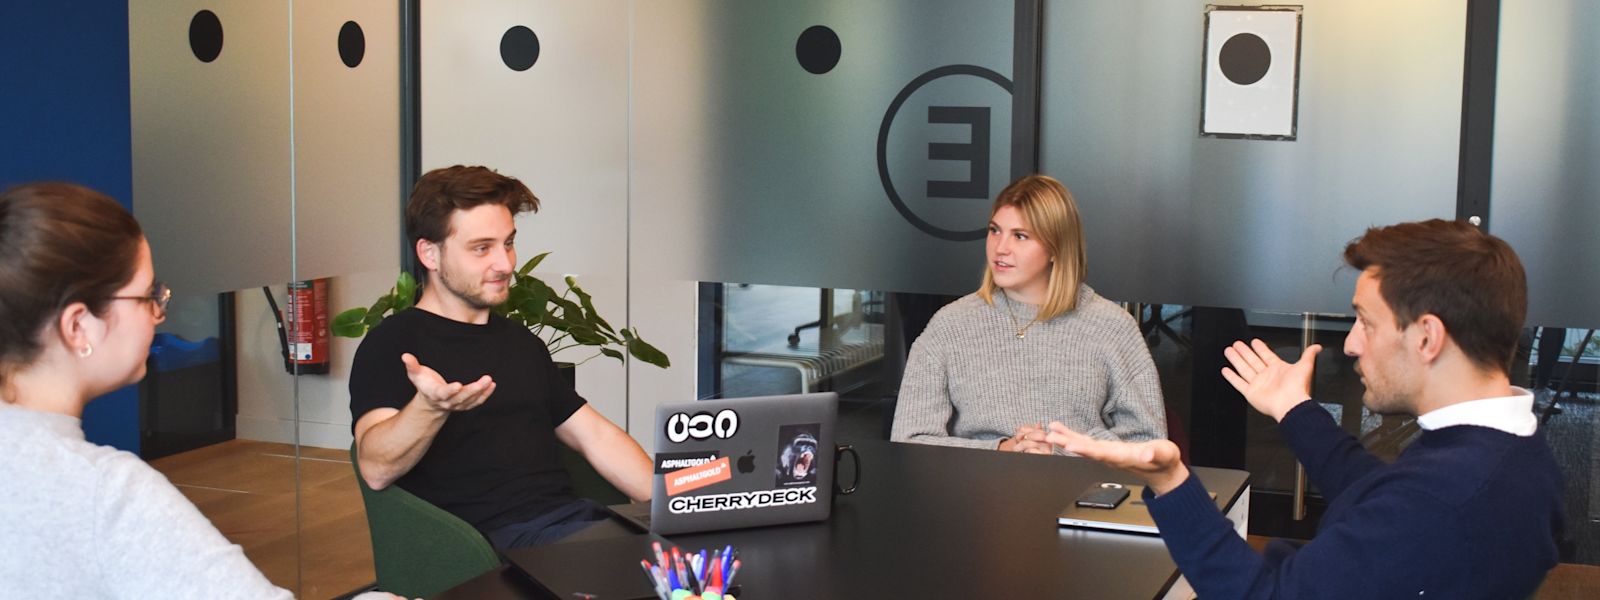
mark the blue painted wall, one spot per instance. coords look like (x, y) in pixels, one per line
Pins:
(64, 115)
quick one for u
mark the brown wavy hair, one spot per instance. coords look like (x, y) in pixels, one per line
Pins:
(1471, 280)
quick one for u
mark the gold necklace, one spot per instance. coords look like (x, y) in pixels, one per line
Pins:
(1022, 330)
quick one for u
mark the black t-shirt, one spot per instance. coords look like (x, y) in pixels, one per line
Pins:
(493, 465)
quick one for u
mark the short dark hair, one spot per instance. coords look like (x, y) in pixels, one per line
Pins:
(441, 192)
(60, 244)
(1470, 280)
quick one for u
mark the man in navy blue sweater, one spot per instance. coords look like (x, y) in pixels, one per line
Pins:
(1471, 509)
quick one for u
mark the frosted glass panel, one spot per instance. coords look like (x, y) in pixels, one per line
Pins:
(1545, 198)
(1174, 218)
(756, 140)
(211, 141)
(347, 137)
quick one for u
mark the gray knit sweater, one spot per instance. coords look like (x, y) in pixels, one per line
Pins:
(79, 520)
(970, 382)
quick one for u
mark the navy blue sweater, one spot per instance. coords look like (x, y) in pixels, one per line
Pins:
(1464, 512)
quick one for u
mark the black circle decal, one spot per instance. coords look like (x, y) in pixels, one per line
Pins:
(817, 49)
(519, 48)
(1245, 58)
(352, 44)
(205, 36)
(883, 146)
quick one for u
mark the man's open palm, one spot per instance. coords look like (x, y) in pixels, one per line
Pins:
(1271, 385)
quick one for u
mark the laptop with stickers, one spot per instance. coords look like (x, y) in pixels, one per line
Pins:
(743, 462)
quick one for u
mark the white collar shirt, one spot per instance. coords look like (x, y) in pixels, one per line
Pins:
(1512, 414)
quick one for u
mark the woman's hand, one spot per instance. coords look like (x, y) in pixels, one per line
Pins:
(1028, 438)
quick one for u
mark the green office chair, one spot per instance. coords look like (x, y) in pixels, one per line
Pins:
(418, 549)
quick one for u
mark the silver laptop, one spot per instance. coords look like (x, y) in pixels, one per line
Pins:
(1131, 515)
(743, 462)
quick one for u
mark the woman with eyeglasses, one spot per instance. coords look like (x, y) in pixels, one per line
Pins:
(79, 304)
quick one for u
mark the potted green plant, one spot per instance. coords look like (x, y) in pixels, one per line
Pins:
(531, 302)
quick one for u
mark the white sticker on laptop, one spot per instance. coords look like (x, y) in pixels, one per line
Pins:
(682, 427)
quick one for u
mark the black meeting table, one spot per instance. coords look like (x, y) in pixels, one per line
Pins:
(934, 522)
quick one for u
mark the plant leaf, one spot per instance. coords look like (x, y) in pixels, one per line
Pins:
(527, 267)
(642, 350)
(589, 313)
(570, 311)
(405, 290)
(516, 297)
(379, 310)
(350, 323)
(611, 353)
(584, 334)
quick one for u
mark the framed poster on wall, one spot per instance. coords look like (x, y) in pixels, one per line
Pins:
(1250, 85)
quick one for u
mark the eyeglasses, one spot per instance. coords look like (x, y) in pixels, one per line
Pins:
(159, 296)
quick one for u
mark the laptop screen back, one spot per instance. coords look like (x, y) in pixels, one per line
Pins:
(743, 462)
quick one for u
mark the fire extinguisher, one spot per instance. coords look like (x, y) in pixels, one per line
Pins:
(305, 340)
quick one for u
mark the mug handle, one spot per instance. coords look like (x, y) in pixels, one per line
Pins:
(839, 452)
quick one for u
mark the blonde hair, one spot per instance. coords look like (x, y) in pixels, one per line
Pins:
(1050, 212)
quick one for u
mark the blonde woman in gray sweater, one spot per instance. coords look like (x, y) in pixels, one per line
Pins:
(1033, 345)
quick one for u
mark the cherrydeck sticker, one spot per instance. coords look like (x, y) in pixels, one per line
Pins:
(667, 462)
(694, 478)
(742, 500)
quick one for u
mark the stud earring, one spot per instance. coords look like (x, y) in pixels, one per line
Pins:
(85, 351)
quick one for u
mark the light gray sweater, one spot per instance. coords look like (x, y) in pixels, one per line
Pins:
(970, 382)
(79, 520)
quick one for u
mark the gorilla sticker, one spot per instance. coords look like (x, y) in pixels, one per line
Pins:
(797, 454)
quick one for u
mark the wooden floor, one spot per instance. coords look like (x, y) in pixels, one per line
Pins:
(247, 489)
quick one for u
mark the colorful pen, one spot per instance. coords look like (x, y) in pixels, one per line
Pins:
(728, 583)
(677, 565)
(661, 557)
(654, 583)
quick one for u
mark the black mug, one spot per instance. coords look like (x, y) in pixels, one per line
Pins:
(838, 452)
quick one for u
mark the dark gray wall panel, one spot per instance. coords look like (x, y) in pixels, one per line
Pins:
(747, 167)
(1545, 197)
(1171, 217)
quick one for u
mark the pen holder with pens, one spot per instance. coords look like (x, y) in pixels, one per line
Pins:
(677, 575)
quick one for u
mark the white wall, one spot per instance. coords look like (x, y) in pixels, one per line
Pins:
(267, 410)
(560, 127)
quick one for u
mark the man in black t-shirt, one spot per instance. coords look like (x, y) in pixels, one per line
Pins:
(463, 407)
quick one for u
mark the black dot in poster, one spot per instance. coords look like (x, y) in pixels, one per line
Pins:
(519, 48)
(205, 36)
(1244, 58)
(352, 44)
(817, 49)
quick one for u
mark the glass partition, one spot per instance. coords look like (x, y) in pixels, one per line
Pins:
(346, 229)
(213, 180)
(837, 160)
(1542, 201)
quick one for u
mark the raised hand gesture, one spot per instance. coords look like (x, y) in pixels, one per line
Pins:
(442, 396)
(1271, 385)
